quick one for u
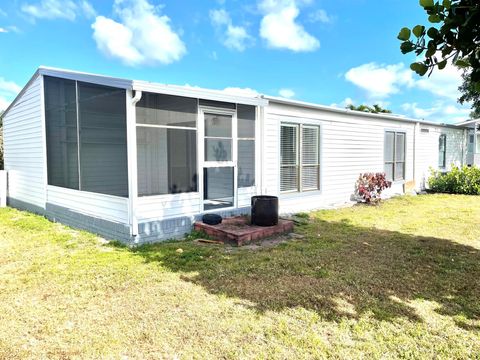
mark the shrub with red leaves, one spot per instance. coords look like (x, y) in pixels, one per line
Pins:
(369, 187)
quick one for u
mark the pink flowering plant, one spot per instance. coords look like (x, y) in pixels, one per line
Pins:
(369, 187)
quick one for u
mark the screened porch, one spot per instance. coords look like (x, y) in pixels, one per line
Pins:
(166, 154)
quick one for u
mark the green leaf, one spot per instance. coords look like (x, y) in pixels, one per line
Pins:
(407, 47)
(441, 65)
(418, 30)
(462, 63)
(404, 34)
(434, 18)
(447, 4)
(430, 52)
(432, 33)
(426, 3)
(477, 86)
(420, 68)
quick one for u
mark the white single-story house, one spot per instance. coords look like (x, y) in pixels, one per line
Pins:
(139, 161)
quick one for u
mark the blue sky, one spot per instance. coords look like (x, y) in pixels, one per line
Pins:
(322, 51)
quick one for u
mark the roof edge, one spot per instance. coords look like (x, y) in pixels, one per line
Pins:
(309, 105)
(29, 82)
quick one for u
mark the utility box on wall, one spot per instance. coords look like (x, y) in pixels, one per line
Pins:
(3, 188)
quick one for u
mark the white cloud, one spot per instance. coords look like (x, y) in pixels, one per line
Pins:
(344, 103)
(443, 83)
(380, 81)
(3, 30)
(57, 9)
(286, 93)
(443, 111)
(141, 36)
(88, 9)
(280, 28)
(234, 37)
(248, 92)
(8, 89)
(320, 15)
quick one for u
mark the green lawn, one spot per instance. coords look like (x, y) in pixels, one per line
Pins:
(400, 280)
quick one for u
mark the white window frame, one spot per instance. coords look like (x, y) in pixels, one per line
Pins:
(299, 161)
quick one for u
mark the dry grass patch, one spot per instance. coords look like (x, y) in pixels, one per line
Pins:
(398, 280)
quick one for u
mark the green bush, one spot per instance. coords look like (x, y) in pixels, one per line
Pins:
(465, 180)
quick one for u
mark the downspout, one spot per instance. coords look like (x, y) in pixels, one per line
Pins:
(132, 161)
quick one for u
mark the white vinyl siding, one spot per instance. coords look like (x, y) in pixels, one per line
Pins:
(23, 135)
(349, 145)
(427, 151)
(103, 206)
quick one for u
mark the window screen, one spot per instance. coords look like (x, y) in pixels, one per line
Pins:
(442, 150)
(394, 154)
(217, 104)
(166, 144)
(167, 161)
(61, 132)
(103, 139)
(169, 110)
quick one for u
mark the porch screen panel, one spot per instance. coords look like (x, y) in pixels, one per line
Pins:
(310, 158)
(167, 160)
(103, 139)
(61, 132)
(246, 145)
(289, 158)
(167, 110)
(166, 144)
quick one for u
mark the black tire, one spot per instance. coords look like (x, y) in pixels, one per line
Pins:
(212, 219)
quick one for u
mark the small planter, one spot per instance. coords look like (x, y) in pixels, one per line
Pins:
(264, 210)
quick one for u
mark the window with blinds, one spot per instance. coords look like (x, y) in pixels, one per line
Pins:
(442, 151)
(394, 153)
(300, 157)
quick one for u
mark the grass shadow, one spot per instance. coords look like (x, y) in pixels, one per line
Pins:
(338, 270)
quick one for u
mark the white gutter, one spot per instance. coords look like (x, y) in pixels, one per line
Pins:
(132, 159)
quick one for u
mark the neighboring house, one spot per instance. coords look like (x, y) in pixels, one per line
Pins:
(140, 161)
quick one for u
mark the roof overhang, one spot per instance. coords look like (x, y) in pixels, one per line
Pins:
(333, 109)
(469, 123)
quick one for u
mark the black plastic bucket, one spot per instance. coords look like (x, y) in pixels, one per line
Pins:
(264, 210)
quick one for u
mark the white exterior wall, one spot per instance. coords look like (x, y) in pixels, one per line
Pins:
(24, 147)
(427, 151)
(107, 207)
(350, 144)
